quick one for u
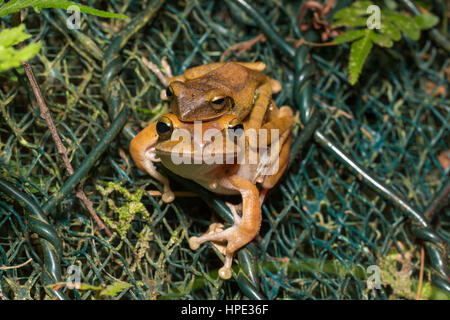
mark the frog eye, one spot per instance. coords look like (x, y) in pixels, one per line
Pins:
(164, 127)
(169, 92)
(218, 103)
(236, 127)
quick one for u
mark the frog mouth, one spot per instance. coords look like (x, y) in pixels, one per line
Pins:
(192, 115)
(204, 154)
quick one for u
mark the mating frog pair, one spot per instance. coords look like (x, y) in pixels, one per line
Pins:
(231, 100)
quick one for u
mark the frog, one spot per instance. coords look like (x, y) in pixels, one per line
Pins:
(159, 142)
(208, 91)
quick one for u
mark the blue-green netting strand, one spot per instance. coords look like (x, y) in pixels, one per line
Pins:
(367, 186)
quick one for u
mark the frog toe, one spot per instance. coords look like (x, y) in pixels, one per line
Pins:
(225, 273)
(194, 243)
(168, 196)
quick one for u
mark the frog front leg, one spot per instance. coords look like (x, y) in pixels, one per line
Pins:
(244, 229)
(142, 150)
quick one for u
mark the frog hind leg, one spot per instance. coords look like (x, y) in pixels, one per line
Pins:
(271, 180)
(245, 228)
(284, 124)
(283, 121)
(200, 71)
(260, 66)
(261, 105)
(256, 66)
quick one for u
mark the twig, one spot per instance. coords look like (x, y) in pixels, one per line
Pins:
(2, 297)
(243, 46)
(184, 194)
(319, 22)
(62, 151)
(302, 41)
(157, 71)
(88, 203)
(16, 267)
(422, 258)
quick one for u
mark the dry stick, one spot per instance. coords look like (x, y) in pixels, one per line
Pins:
(62, 151)
(422, 258)
(162, 78)
(18, 266)
(302, 41)
(243, 46)
(184, 194)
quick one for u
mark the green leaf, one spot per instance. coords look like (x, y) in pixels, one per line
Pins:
(358, 54)
(362, 4)
(350, 36)
(382, 40)
(426, 21)
(390, 30)
(350, 12)
(17, 5)
(393, 24)
(85, 286)
(115, 288)
(13, 36)
(11, 57)
(353, 21)
(406, 24)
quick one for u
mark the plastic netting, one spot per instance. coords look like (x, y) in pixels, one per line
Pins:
(323, 225)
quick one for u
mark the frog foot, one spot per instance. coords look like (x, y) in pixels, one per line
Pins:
(225, 273)
(213, 228)
(194, 244)
(168, 196)
(234, 237)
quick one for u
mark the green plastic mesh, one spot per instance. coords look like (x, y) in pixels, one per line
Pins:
(322, 226)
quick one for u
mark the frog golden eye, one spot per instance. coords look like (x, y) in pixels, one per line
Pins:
(236, 127)
(218, 103)
(164, 127)
(169, 92)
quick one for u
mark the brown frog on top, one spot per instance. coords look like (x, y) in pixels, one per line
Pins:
(208, 91)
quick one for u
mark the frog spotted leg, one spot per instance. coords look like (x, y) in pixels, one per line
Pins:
(142, 150)
(271, 180)
(264, 92)
(280, 120)
(200, 71)
(245, 228)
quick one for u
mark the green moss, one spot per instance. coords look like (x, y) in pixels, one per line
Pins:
(124, 215)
